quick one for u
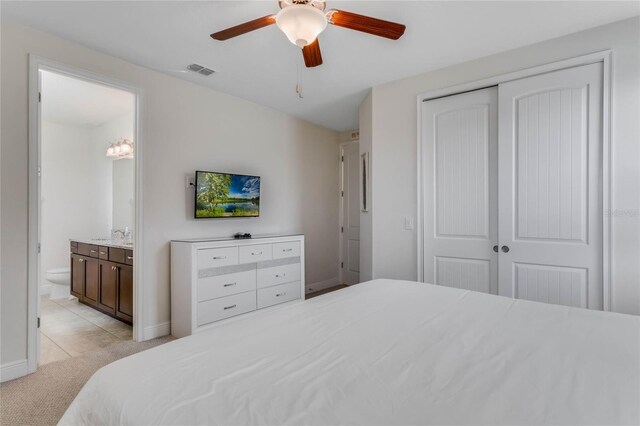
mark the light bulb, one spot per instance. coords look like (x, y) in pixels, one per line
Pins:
(125, 148)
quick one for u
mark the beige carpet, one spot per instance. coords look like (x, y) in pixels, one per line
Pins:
(42, 397)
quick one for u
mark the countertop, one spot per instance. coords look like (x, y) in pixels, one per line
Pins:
(105, 242)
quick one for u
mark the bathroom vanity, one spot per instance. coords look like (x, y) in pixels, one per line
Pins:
(102, 276)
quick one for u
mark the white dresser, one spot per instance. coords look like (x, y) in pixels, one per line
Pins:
(215, 279)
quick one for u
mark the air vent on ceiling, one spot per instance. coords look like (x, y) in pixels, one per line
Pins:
(200, 69)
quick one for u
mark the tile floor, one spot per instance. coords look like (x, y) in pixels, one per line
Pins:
(68, 328)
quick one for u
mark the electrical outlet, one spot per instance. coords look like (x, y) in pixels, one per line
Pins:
(191, 182)
(408, 223)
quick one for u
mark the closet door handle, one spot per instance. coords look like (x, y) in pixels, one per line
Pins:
(505, 249)
(495, 248)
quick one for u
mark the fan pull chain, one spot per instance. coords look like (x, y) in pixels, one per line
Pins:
(299, 78)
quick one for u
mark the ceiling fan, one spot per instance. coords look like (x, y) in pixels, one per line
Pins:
(303, 20)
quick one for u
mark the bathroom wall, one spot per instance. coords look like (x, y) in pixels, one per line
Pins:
(123, 175)
(76, 190)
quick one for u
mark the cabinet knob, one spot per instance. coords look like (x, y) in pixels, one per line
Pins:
(80, 260)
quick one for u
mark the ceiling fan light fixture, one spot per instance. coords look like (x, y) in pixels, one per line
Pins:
(301, 23)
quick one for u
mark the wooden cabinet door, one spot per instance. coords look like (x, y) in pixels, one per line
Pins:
(77, 276)
(108, 286)
(92, 280)
(124, 309)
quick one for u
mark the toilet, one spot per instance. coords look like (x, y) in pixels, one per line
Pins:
(59, 278)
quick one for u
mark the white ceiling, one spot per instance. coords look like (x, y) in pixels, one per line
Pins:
(261, 66)
(70, 101)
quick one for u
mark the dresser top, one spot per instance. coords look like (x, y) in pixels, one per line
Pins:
(255, 237)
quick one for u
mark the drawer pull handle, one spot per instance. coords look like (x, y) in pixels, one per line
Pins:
(80, 260)
(279, 276)
(284, 250)
(103, 252)
(129, 257)
(256, 254)
(281, 294)
(229, 307)
(229, 285)
(219, 257)
(93, 251)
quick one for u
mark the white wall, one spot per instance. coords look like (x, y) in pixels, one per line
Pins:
(394, 128)
(185, 127)
(123, 174)
(366, 218)
(75, 193)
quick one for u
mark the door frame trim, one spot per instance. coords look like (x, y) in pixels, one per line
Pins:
(341, 217)
(36, 64)
(604, 56)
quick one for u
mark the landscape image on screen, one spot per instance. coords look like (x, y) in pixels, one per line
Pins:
(227, 195)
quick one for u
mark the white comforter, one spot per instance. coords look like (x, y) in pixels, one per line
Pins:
(383, 352)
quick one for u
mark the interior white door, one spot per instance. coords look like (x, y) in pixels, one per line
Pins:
(460, 154)
(350, 228)
(550, 189)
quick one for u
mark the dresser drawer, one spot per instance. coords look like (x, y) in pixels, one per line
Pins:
(226, 285)
(278, 275)
(212, 258)
(225, 307)
(255, 253)
(278, 294)
(288, 249)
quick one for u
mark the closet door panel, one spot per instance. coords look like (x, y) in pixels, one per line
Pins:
(550, 189)
(459, 146)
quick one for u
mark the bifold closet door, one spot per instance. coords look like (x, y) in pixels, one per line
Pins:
(550, 188)
(459, 149)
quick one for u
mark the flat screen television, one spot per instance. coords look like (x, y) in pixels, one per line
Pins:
(220, 195)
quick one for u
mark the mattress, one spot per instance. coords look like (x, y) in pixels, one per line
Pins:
(386, 353)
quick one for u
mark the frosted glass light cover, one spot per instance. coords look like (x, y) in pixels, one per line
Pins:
(301, 23)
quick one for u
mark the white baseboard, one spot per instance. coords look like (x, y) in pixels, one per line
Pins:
(13, 370)
(321, 285)
(157, 330)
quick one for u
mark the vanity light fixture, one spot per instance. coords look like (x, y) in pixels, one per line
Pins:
(123, 148)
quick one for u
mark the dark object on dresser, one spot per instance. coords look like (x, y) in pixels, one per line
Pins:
(241, 236)
(102, 277)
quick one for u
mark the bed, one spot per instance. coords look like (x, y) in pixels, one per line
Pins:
(383, 352)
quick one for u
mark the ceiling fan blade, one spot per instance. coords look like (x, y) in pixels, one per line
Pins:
(312, 55)
(256, 24)
(366, 24)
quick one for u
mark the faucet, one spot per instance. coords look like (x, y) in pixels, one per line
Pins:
(125, 234)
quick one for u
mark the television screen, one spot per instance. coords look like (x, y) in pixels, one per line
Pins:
(226, 195)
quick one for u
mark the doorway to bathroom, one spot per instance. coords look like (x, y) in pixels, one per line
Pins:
(86, 159)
